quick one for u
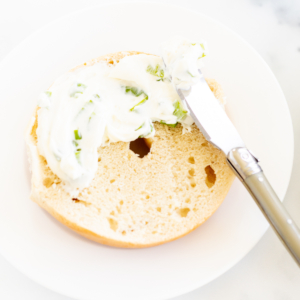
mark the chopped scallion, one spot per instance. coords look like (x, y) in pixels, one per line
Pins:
(191, 74)
(93, 114)
(77, 155)
(151, 126)
(179, 112)
(81, 84)
(151, 129)
(170, 125)
(156, 72)
(77, 88)
(134, 91)
(141, 102)
(77, 135)
(140, 127)
(202, 45)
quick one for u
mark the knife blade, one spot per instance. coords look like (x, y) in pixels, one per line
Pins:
(210, 117)
(217, 128)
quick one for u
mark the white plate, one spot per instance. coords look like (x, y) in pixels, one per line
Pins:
(63, 261)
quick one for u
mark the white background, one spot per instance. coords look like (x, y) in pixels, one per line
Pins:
(273, 29)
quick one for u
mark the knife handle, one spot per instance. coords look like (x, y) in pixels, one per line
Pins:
(246, 167)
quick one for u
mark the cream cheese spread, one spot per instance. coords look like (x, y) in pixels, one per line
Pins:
(99, 104)
(183, 59)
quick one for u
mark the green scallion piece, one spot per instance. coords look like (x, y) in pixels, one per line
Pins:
(151, 126)
(77, 155)
(151, 129)
(93, 114)
(86, 105)
(170, 125)
(179, 112)
(81, 85)
(191, 74)
(77, 135)
(202, 45)
(156, 72)
(141, 102)
(134, 91)
(140, 127)
(77, 89)
(48, 93)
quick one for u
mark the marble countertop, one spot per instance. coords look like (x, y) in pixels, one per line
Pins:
(272, 27)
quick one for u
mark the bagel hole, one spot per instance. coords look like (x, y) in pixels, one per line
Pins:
(47, 182)
(139, 147)
(183, 212)
(193, 182)
(191, 160)
(192, 172)
(211, 176)
(113, 224)
(86, 204)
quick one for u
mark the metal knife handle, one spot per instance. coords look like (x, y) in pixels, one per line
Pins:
(246, 167)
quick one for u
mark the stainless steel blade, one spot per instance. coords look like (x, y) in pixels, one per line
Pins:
(210, 117)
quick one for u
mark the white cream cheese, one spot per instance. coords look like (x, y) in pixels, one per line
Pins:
(94, 105)
(183, 59)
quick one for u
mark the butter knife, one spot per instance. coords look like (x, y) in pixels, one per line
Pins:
(217, 128)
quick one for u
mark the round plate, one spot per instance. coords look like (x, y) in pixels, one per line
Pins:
(63, 261)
